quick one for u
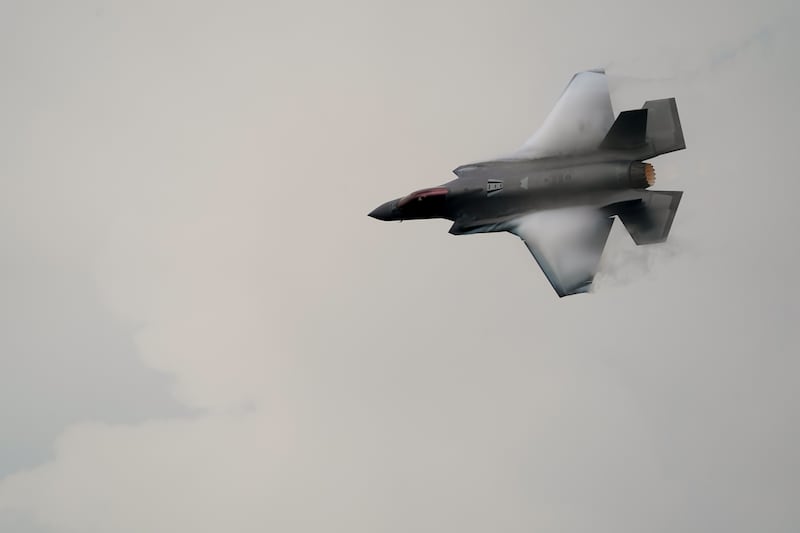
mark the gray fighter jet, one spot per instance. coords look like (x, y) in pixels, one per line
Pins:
(560, 191)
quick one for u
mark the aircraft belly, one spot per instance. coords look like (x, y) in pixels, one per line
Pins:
(494, 213)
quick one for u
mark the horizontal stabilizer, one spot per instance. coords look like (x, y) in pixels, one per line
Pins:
(664, 131)
(650, 220)
(627, 132)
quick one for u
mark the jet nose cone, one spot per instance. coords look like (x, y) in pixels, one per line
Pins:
(384, 211)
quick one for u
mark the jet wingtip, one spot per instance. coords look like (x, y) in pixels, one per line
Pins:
(584, 288)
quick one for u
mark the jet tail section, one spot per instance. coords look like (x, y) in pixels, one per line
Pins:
(650, 220)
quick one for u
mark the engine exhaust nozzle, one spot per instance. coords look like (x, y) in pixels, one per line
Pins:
(642, 175)
(649, 174)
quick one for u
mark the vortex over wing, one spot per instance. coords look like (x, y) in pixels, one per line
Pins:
(577, 123)
(567, 244)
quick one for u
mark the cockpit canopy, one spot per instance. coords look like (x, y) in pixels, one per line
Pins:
(425, 203)
(433, 193)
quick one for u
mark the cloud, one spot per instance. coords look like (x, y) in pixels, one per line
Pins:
(623, 262)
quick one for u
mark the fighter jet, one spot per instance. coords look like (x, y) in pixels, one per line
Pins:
(562, 189)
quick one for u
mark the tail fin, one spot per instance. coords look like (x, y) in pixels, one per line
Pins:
(664, 132)
(653, 130)
(650, 220)
(628, 131)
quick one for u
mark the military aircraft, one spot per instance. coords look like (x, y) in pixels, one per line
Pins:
(561, 190)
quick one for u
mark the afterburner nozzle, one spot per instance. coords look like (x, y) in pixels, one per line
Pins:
(642, 175)
(649, 174)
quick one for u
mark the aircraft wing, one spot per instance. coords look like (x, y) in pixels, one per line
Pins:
(577, 123)
(567, 244)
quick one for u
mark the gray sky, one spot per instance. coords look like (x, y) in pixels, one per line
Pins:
(202, 330)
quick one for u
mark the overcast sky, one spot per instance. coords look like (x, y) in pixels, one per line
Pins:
(202, 331)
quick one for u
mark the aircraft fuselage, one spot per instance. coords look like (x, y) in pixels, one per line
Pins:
(486, 194)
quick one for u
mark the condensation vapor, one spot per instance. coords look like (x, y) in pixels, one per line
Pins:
(564, 237)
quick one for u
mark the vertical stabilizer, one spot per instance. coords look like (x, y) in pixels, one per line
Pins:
(629, 131)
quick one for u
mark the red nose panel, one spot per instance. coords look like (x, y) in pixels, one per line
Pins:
(421, 195)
